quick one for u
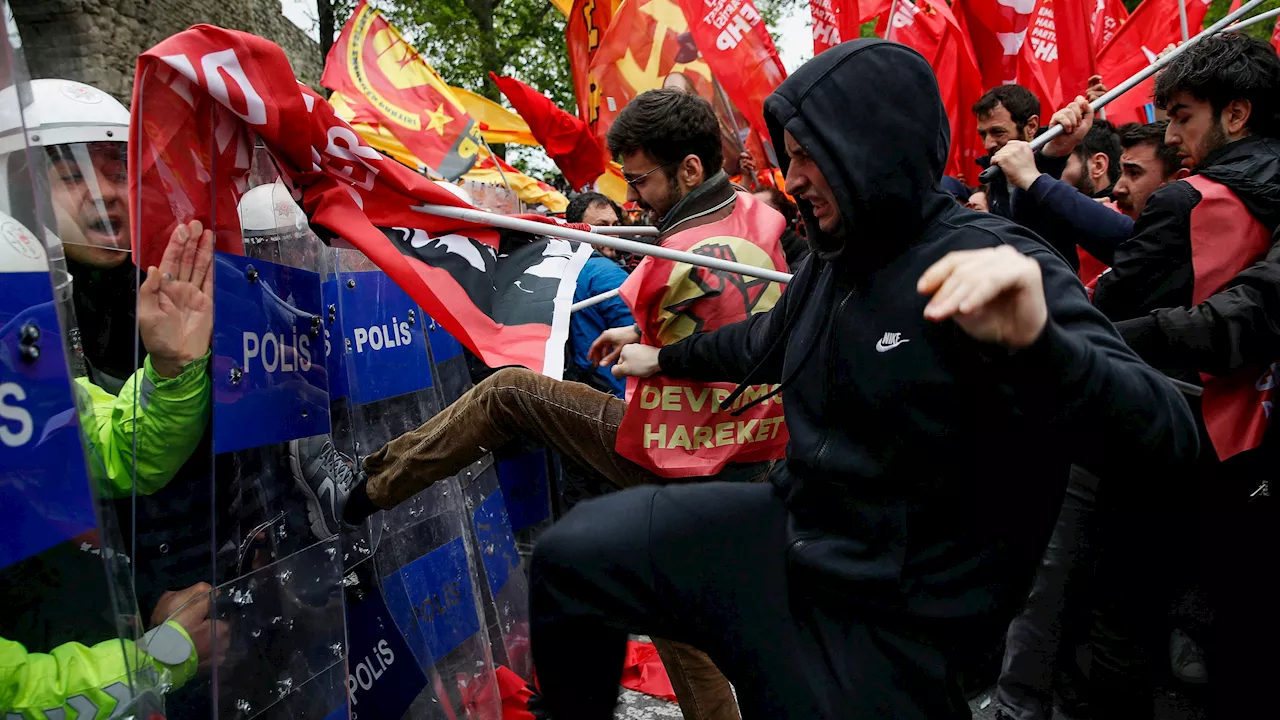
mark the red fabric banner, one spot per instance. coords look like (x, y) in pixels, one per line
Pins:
(647, 45)
(1061, 42)
(584, 31)
(1151, 28)
(997, 29)
(644, 672)
(1226, 239)
(931, 29)
(677, 428)
(733, 39)
(1105, 22)
(566, 139)
(375, 69)
(834, 21)
(202, 97)
(1275, 36)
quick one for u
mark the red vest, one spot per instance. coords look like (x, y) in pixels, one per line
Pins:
(1091, 268)
(677, 428)
(1226, 239)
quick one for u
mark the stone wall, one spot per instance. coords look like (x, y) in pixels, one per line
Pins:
(98, 41)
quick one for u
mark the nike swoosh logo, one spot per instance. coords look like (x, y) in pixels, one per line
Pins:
(327, 485)
(522, 288)
(882, 347)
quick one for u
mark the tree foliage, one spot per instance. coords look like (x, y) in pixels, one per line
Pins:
(466, 39)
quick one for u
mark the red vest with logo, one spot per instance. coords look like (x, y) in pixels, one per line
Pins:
(676, 427)
(1226, 239)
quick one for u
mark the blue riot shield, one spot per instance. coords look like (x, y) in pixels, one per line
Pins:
(72, 642)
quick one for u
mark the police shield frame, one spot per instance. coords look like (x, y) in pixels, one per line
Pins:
(64, 460)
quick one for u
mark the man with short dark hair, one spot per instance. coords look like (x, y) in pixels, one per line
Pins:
(1005, 113)
(1066, 212)
(937, 368)
(1146, 164)
(669, 142)
(599, 275)
(1196, 292)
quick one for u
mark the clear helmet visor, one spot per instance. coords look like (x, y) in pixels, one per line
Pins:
(89, 188)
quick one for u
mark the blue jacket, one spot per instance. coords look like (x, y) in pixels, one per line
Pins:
(599, 275)
(1066, 217)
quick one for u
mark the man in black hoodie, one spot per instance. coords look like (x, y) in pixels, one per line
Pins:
(937, 366)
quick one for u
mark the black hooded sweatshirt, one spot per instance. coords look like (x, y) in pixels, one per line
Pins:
(925, 469)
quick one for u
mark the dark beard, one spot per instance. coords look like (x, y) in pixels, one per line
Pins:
(1214, 139)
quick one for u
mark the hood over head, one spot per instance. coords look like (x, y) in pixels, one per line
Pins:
(870, 115)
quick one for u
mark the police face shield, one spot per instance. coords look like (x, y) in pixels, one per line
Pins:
(64, 465)
(88, 184)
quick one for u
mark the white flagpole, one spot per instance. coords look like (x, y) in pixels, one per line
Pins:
(481, 217)
(990, 173)
(1182, 18)
(1261, 17)
(638, 230)
(594, 300)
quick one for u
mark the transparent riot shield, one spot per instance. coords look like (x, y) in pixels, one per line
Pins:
(71, 639)
(403, 663)
(250, 519)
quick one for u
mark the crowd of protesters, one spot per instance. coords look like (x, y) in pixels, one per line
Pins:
(1036, 409)
(1063, 422)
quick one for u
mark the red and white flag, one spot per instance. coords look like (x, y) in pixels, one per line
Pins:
(204, 96)
(929, 27)
(1105, 22)
(834, 21)
(1153, 26)
(734, 41)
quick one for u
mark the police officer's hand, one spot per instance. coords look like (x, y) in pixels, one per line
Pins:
(995, 294)
(606, 349)
(1018, 162)
(1076, 119)
(175, 303)
(637, 360)
(191, 608)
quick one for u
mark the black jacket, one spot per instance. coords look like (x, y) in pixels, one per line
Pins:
(1148, 292)
(909, 437)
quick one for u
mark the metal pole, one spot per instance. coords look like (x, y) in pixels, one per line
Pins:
(1182, 18)
(645, 230)
(990, 173)
(737, 134)
(1254, 20)
(480, 217)
(594, 300)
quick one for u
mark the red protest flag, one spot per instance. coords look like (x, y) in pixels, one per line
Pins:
(1153, 26)
(929, 27)
(1275, 36)
(733, 39)
(1060, 43)
(566, 139)
(1105, 22)
(834, 21)
(375, 68)
(997, 29)
(584, 30)
(202, 98)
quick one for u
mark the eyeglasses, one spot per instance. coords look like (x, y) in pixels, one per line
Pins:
(635, 180)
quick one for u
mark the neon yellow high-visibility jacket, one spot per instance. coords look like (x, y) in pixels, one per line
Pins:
(166, 417)
(88, 682)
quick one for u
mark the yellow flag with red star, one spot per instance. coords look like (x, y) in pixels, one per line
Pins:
(386, 81)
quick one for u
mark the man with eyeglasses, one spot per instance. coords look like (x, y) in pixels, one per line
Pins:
(669, 142)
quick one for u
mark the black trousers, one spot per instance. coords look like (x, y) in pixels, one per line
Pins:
(707, 564)
(1040, 649)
